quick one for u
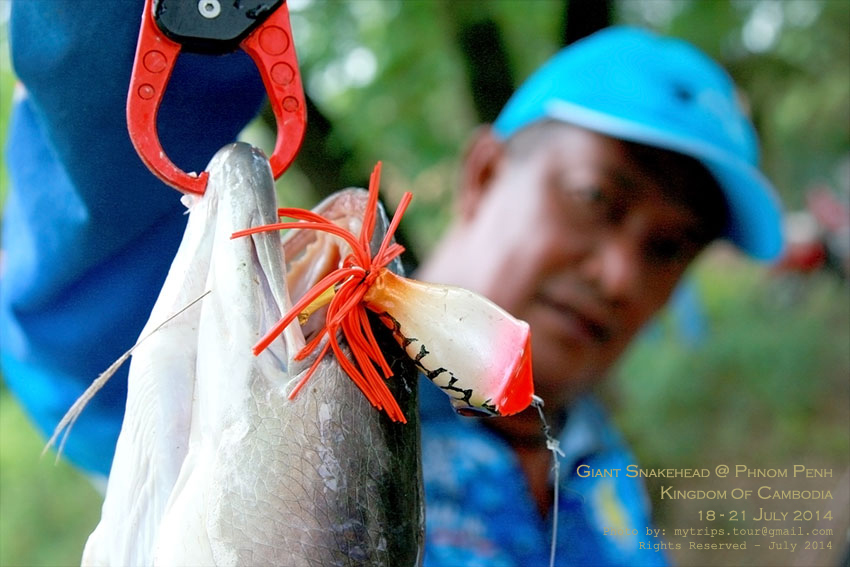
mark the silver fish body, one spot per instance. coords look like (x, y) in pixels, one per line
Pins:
(215, 465)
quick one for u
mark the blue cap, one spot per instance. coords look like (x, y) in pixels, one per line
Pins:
(634, 85)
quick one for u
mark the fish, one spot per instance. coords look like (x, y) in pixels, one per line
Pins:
(216, 464)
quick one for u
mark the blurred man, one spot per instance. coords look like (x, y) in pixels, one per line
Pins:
(604, 176)
(579, 210)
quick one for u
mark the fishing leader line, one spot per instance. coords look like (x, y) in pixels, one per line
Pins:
(555, 446)
(70, 418)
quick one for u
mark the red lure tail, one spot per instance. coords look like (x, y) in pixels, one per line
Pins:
(346, 311)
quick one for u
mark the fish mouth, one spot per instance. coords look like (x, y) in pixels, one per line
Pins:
(308, 256)
(311, 254)
(272, 272)
(248, 273)
(268, 269)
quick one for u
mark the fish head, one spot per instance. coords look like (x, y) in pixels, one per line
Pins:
(263, 274)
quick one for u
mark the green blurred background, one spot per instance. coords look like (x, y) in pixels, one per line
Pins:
(756, 371)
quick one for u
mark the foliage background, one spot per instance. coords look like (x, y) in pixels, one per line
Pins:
(769, 383)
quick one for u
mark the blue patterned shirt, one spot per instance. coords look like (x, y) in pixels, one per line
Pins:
(480, 511)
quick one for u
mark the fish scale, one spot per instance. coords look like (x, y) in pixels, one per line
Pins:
(367, 516)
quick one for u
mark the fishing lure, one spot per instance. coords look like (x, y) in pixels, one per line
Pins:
(472, 349)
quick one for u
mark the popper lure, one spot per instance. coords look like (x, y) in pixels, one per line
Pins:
(469, 347)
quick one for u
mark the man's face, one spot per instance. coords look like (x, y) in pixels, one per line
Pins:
(575, 237)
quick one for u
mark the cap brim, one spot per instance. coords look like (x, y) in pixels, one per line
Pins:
(755, 215)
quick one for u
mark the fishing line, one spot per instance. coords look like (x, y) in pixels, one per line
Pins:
(67, 422)
(555, 446)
